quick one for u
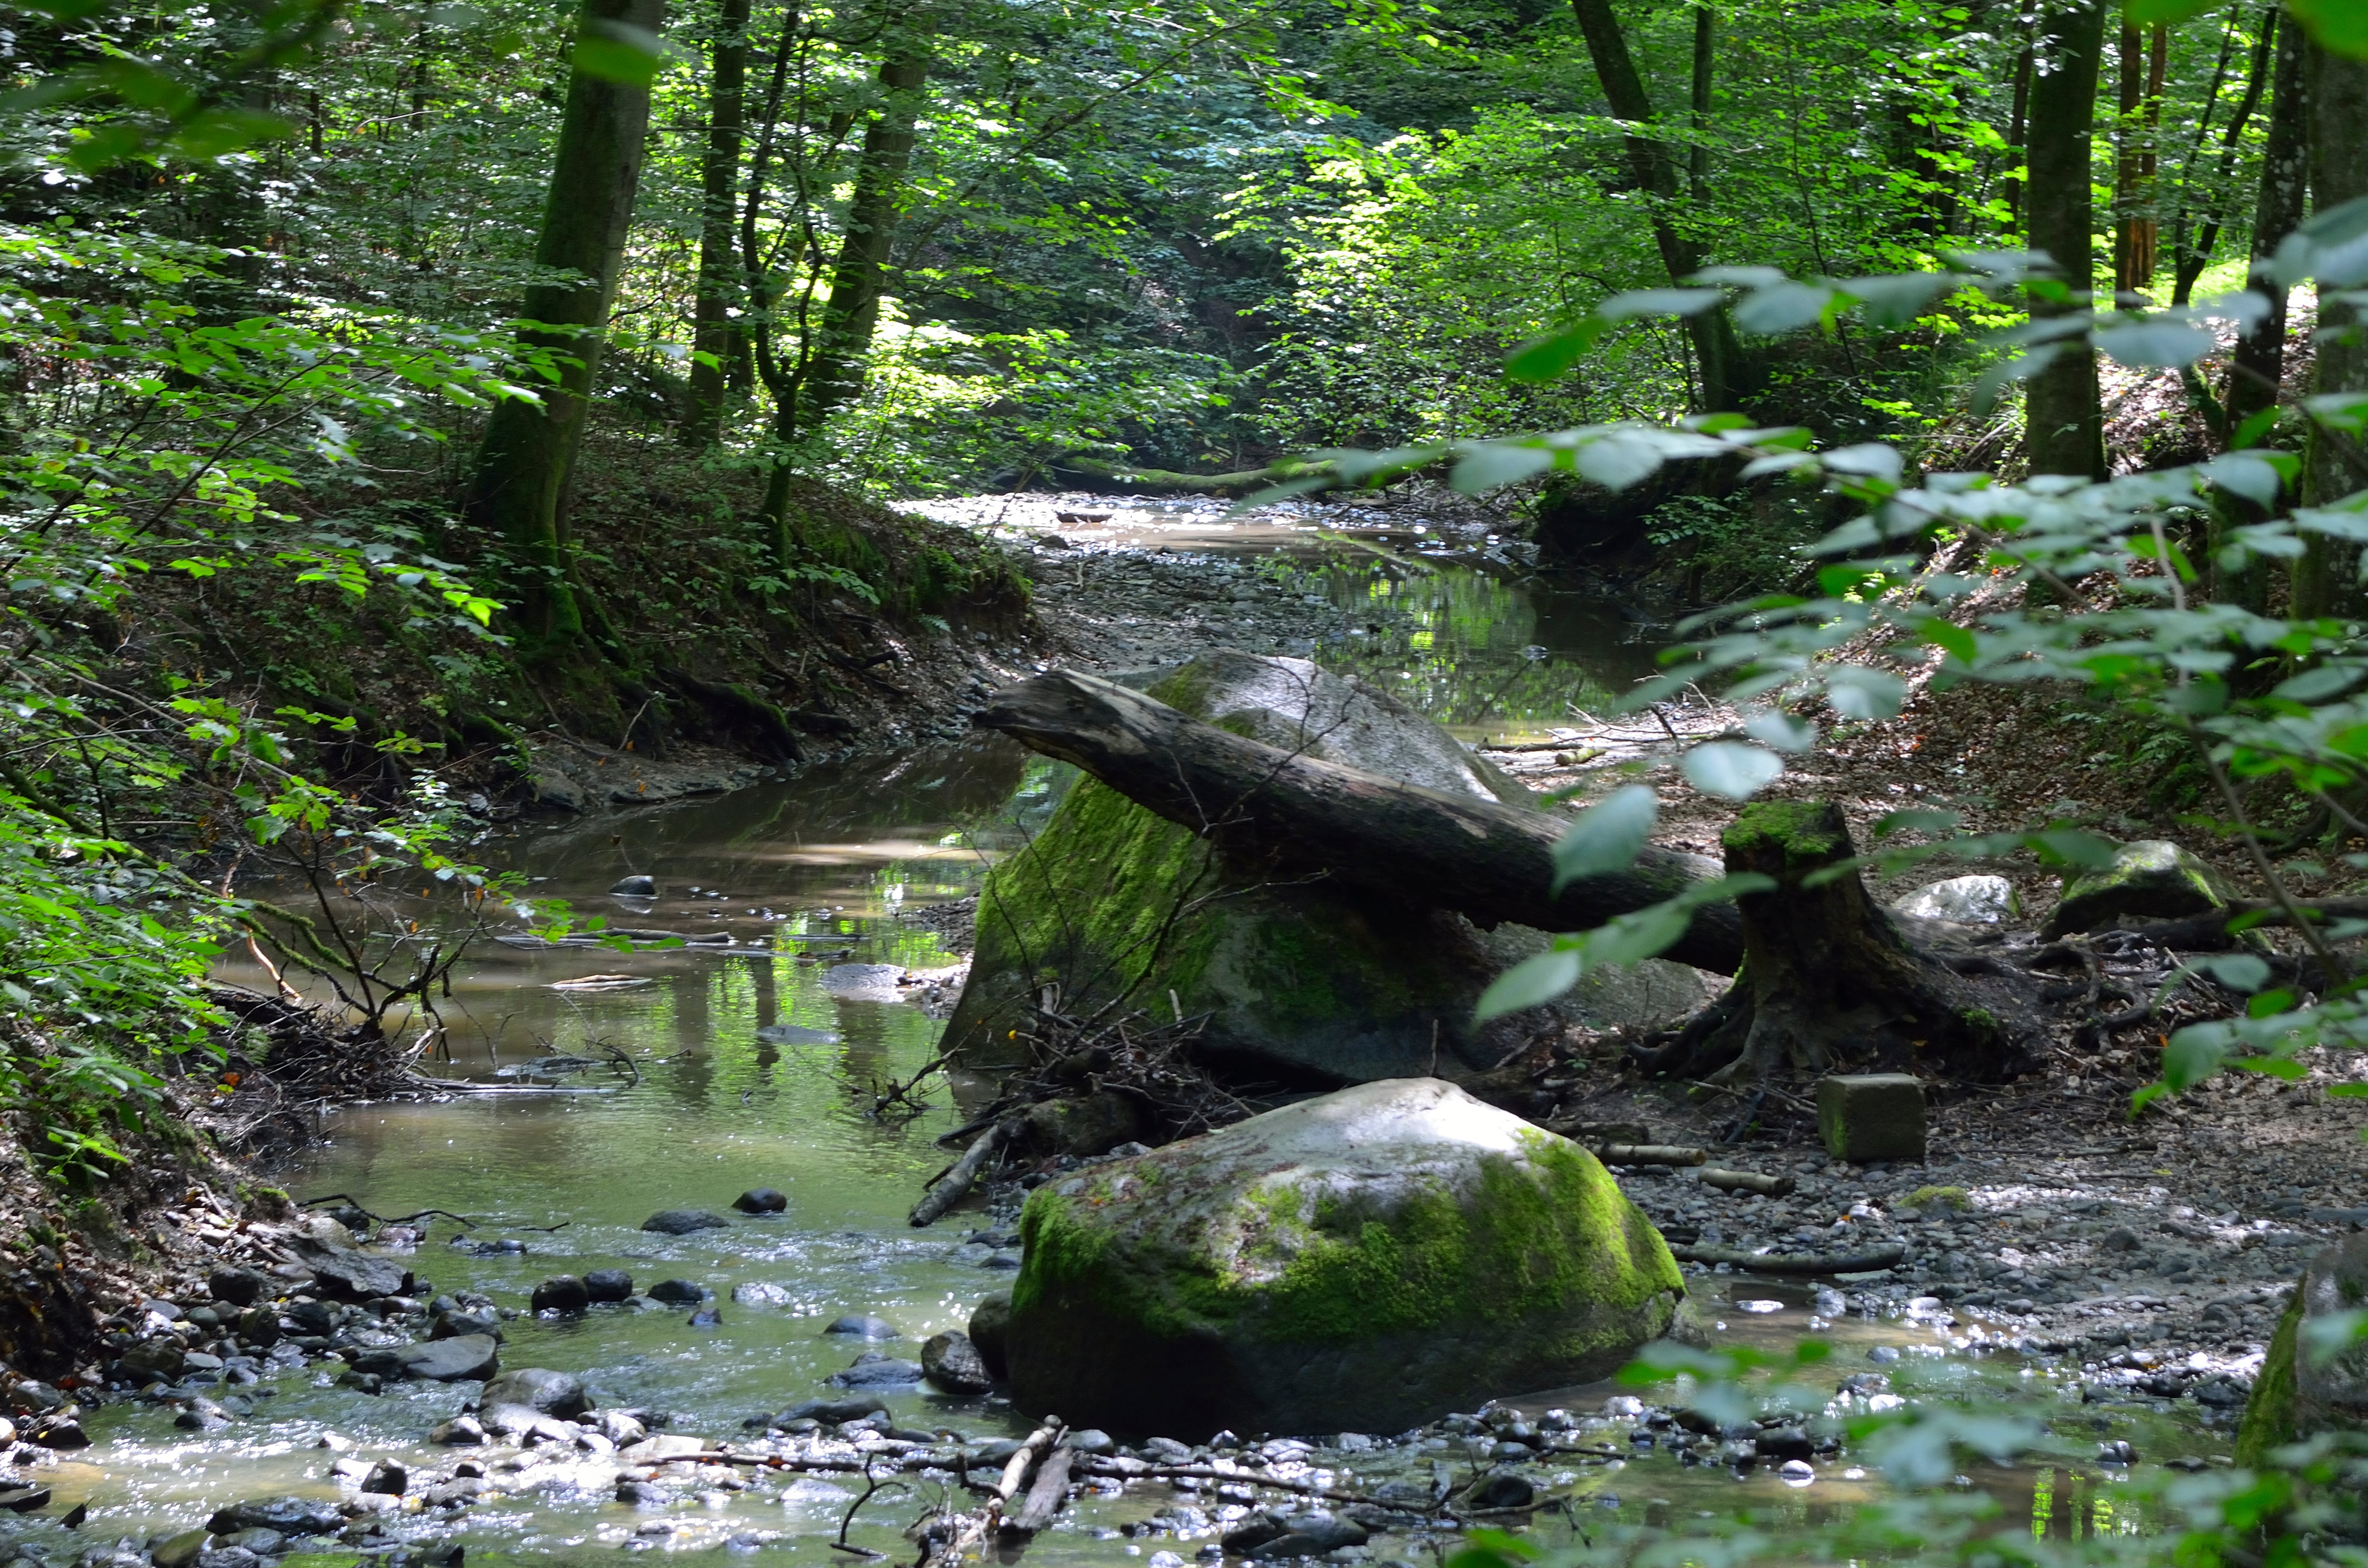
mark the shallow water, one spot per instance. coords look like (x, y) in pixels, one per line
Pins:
(698, 1105)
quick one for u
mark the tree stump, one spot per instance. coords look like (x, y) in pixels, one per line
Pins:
(1831, 982)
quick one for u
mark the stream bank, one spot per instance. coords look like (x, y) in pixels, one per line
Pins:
(757, 1064)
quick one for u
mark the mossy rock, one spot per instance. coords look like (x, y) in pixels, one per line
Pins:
(2151, 879)
(1298, 978)
(1956, 1197)
(1363, 1261)
(2296, 1397)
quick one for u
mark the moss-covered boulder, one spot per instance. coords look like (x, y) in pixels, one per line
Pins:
(1360, 1262)
(2295, 1394)
(2151, 879)
(1299, 979)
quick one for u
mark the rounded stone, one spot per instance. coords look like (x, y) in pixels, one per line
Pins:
(1358, 1262)
(859, 1326)
(679, 1292)
(564, 1294)
(952, 1364)
(608, 1285)
(683, 1221)
(990, 1326)
(761, 1200)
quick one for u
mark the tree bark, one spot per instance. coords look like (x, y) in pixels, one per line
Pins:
(858, 281)
(522, 465)
(2017, 132)
(1698, 97)
(2327, 576)
(714, 332)
(2189, 258)
(1727, 377)
(1829, 982)
(2278, 207)
(2063, 423)
(1262, 805)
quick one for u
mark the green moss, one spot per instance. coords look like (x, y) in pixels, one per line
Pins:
(2270, 1414)
(1805, 831)
(1549, 1236)
(1956, 1197)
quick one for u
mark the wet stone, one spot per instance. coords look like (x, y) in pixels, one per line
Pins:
(564, 1294)
(952, 1364)
(538, 1389)
(683, 1221)
(761, 1200)
(875, 1370)
(605, 1285)
(240, 1287)
(759, 1293)
(862, 1327)
(678, 1292)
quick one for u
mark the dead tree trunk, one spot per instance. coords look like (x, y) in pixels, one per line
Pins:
(1266, 806)
(1829, 981)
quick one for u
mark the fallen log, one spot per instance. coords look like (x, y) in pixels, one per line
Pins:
(1792, 1262)
(1647, 1154)
(1264, 805)
(952, 1187)
(1746, 1181)
(1133, 479)
(1046, 1495)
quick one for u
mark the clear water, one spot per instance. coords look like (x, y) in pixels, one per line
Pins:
(819, 870)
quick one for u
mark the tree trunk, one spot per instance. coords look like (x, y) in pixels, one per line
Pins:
(858, 283)
(1706, 67)
(2327, 577)
(1829, 982)
(2063, 423)
(1727, 376)
(1263, 806)
(2258, 366)
(2278, 207)
(714, 333)
(2188, 258)
(522, 466)
(2017, 131)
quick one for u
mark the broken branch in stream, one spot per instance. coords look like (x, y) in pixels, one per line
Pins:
(1792, 1262)
(951, 1188)
(349, 1201)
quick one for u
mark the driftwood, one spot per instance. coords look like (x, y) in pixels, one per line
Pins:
(1648, 1154)
(1792, 1262)
(1746, 1181)
(1264, 805)
(951, 1187)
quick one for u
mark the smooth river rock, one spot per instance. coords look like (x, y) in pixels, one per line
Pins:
(951, 1363)
(538, 1389)
(450, 1360)
(683, 1221)
(1362, 1262)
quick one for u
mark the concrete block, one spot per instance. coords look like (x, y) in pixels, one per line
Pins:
(1872, 1116)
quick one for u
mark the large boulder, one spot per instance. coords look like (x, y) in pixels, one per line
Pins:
(2298, 1395)
(1294, 974)
(2150, 880)
(1361, 1262)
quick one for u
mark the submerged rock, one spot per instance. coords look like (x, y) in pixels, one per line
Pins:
(761, 1200)
(990, 1324)
(608, 1285)
(683, 1221)
(562, 1293)
(1293, 974)
(450, 1360)
(873, 1371)
(1360, 1262)
(861, 1326)
(538, 1389)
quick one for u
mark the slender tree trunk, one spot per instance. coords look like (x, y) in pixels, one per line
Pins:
(2149, 225)
(2063, 423)
(2018, 131)
(522, 466)
(2128, 161)
(2188, 258)
(2278, 207)
(1704, 73)
(714, 333)
(2327, 577)
(1727, 376)
(422, 62)
(858, 281)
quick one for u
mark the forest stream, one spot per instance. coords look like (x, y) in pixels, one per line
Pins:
(722, 1069)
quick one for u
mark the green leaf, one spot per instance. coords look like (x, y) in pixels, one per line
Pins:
(2238, 972)
(1784, 308)
(1606, 836)
(619, 51)
(2340, 26)
(1780, 731)
(2142, 11)
(2154, 344)
(1529, 983)
(1544, 358)
(1658, 303)
(2193, 1055)
(1496, 463)
(1730, 769)
(1858, 692)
